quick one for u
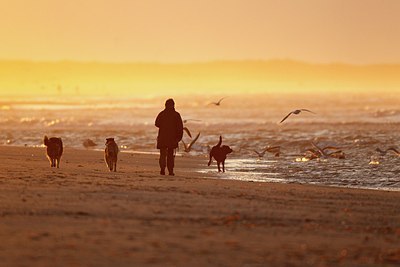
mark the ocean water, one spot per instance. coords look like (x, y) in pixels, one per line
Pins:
(357, 124)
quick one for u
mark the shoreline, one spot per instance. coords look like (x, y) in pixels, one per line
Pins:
(83, 215)
(202, 171)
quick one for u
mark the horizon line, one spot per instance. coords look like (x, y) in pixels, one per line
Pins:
(289, 60)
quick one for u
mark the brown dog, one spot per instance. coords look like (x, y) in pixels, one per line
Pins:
(111, 154)
(54, 150)
(219, 153)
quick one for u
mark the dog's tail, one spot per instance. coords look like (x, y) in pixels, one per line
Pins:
(46, 140)
(220, 141)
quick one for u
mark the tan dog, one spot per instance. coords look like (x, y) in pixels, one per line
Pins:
(111, 154)
(219, 153)
(54, 150)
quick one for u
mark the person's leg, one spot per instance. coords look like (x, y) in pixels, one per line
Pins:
(170, 161)
(163, 160)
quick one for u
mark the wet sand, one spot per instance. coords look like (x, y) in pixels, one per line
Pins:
(83, 215)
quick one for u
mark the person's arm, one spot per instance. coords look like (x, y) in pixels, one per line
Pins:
(158, 120)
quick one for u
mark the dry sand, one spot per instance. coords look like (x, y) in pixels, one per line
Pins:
(82, 215)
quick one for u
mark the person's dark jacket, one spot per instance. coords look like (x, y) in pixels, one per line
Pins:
(170, 128)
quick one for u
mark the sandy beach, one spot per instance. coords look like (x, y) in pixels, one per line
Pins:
(83, 215)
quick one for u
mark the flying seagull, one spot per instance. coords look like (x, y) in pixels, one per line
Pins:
(189, 147)
(297, 111)
(383, 152)
(276, 150)
(187, 131)
(319, 152)
(311, 154)
(219, 102)
(260, 154)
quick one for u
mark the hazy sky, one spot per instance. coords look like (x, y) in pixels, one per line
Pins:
(351, 31)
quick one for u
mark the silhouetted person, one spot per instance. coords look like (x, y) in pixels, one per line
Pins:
(170, 132)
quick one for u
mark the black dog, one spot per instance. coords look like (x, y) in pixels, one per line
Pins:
(111, 154)
(54, 150)
(219, 153)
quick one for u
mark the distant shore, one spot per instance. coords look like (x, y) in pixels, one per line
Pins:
(235, 76)
(83, 215)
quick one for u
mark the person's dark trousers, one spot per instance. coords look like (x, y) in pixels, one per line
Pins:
(167, 160)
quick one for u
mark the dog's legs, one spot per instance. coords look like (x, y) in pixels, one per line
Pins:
(110, 165)
(58, 163)
(218, 163)
(53, 162)
(107, 163)
(115, 166)
(223, 166)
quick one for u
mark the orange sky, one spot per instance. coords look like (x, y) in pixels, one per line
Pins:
(350, 31)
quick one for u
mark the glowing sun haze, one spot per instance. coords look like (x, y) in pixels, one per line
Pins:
(214, 46)
(318, 31)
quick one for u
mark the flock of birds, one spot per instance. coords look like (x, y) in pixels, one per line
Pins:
(314, 152)
(275, 150)
(376, 160)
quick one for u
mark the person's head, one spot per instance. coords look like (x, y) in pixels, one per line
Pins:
(170, 103)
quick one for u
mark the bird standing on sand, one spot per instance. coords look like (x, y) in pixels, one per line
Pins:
(375, 160)
(260, 154)
(339, 154)
(219, 102)
(322, 152)
(319, 152)
(271, 149)
(296, 112)
(187, 148)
